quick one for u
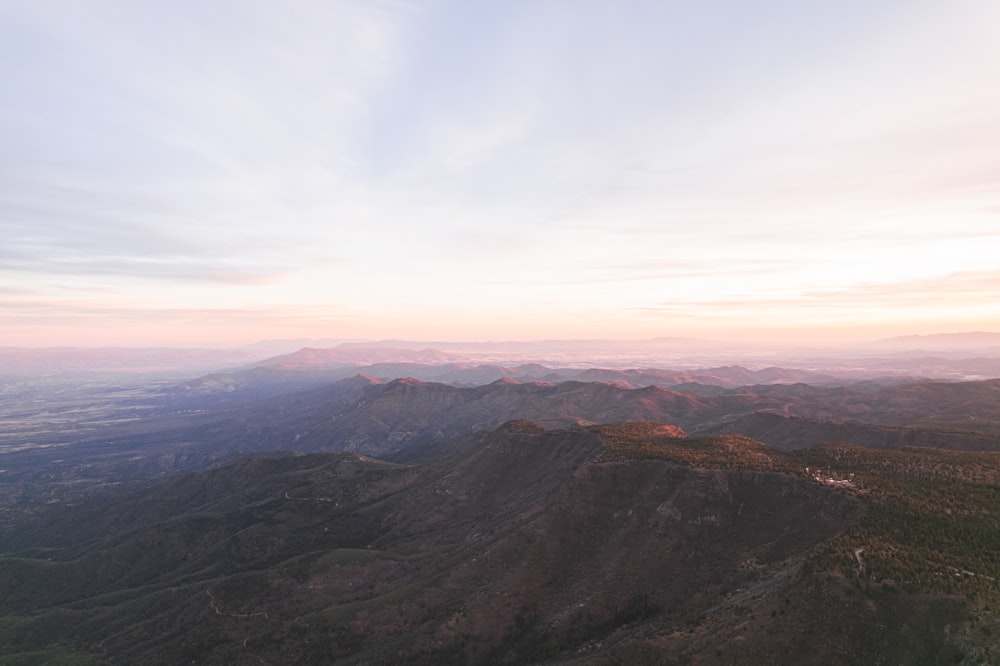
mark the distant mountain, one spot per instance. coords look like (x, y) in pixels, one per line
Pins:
(544, 346)
(574, 353)
(844, 361)
(268, 348)
(963, 357)
(944, 341)
(730, 376)
(310, 358)
(334, 364)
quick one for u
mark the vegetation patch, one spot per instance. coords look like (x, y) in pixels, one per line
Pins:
(931, 526)
(59, 654)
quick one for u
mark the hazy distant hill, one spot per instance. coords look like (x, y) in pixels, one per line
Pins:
(311, 358)
(976, 340)
(192, 426)
(310, 367)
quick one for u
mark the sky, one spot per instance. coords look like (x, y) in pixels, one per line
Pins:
(209, 173)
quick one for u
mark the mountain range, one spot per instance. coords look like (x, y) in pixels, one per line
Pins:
(191, 425)
(311, 508)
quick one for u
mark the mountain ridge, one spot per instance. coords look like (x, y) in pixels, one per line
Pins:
(524, 545)
(524, 499)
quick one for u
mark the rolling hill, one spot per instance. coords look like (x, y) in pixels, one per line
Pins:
(590, 545)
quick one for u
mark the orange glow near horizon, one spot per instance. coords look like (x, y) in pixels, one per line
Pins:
(818, 174)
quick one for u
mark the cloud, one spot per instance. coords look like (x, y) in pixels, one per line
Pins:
(88, 321)
(672, 270)
(953, 291)
(170, 269)
(508, 157)
(956, 289)
(156, 132)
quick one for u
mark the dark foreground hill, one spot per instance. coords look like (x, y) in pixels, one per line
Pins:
(795, 432)
(595, 545)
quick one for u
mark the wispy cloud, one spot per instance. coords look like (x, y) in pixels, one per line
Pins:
(501, 159)
(170, 269)
(938, 295)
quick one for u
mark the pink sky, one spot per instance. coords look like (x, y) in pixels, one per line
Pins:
(460, 171)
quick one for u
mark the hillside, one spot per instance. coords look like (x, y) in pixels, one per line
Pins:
(393, 416)
(603, 544)
(793, 432)
(53, 443)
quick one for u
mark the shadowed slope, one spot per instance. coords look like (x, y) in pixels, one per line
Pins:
(526, 545)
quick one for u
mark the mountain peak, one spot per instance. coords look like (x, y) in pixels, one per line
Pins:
(521, 426)
(409, 381)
